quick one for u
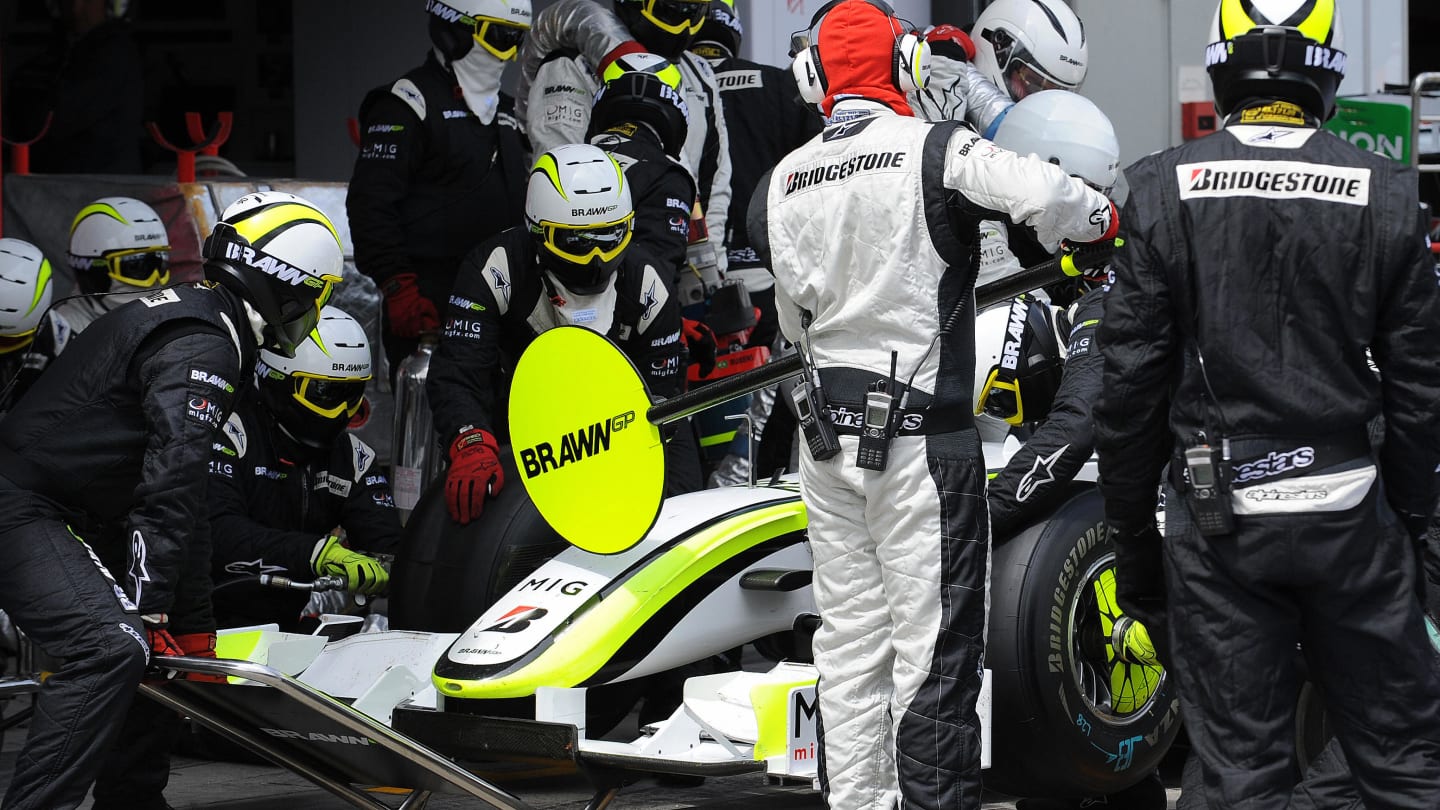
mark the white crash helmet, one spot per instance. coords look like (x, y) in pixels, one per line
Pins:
(282, 256)
(119, 242)
(25, 292)
(1025, 46)
(316, 393)
(578, 208)
(1066, 129)
(498, 26)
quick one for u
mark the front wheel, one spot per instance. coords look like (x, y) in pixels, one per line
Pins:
(1071, 717)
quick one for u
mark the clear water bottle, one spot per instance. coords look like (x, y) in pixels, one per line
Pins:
(417, 460)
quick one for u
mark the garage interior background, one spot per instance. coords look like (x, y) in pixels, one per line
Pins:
(293, 72)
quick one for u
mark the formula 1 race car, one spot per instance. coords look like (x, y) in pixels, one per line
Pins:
(546, 669)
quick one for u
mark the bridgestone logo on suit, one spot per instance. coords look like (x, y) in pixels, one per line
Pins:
(1275, 180)
(832, 172)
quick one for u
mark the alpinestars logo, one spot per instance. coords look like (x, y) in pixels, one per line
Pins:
(842, 169)
(517, 620)
(1274, 463)
(1258, 494)
(1041, 473)
(1274, 180)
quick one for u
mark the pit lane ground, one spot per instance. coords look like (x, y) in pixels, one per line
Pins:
(196, 783)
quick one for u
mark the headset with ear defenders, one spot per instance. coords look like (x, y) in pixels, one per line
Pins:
(910, 64)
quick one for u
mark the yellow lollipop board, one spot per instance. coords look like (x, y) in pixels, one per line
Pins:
(590, 460)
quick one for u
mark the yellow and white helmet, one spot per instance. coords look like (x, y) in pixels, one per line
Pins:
(282, 255)
(316, 393)
(1288, 50)
(578, 208)
(119, 243)
(25, 292)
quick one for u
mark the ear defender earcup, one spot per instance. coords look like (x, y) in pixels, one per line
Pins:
(912, 63)
(808, 77)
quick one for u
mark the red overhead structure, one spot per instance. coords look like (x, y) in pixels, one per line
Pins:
(201, 142)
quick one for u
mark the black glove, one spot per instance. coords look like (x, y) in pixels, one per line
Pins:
(1140, 580)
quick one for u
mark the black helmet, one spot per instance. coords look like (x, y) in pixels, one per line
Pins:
(1287, 50)
(665, 27)
(1026, 361)
(282, 256)
(642, 88)
(722, 32)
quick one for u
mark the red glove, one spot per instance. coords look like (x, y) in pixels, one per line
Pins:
(701, 343)
(409, 312)
(950, 42)
(475, 471)
(159, 638)
(200, 645)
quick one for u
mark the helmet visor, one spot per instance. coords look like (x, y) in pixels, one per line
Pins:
(329, 398)
(500, 37)
(677, 16)
(146, 267)
(581, 244)
(1025, 79)
(11, 343)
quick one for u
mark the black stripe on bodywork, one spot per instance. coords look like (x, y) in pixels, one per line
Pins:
(454, 670)
(650, 634)
(937, 743)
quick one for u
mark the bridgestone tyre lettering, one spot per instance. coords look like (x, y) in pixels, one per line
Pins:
(1057, 731)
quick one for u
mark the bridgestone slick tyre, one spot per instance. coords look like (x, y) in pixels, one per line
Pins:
(1070, 718)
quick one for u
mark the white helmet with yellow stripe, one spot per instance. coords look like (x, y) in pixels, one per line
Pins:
(579, 210)
(316, 393)
(118, 243)
(281, 255)
(25, 291)
(1283, 50)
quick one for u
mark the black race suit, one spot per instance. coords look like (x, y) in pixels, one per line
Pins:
(430, 183)
(1035, 478)
(272, 501)
(114, 436)
(502, 301)
(766, 122)
(20, 368)
(1299, 252)
(663, 193)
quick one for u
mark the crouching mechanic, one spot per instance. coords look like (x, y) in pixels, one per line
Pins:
(573, 267)
(285, 475)
(113, 440)
(871, 231)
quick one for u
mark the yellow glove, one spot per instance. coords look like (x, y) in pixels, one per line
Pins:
(363, 574)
